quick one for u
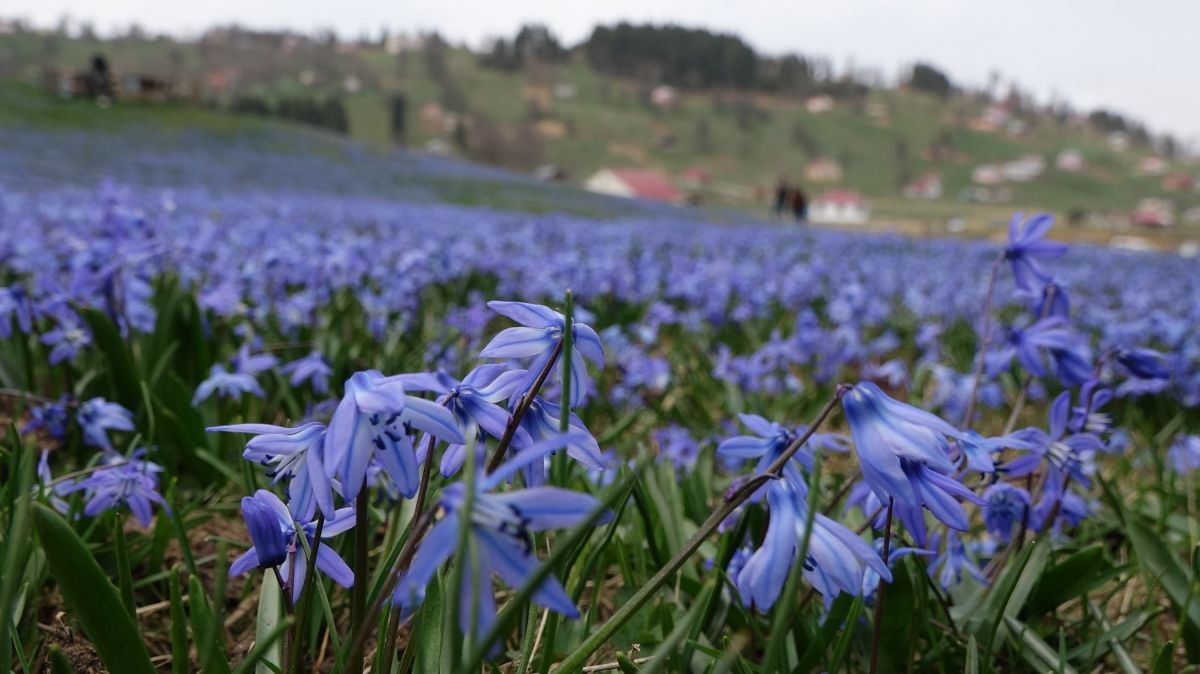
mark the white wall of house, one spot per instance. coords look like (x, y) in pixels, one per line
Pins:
(839, 213)
(605, 181)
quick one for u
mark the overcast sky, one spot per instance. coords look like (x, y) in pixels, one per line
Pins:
(1141, 57)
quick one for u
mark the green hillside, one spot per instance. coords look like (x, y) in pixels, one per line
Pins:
(570, 116)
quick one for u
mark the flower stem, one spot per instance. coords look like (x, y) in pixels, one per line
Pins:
(877, 624)
(305, 596)
(604, 632)
(985, 340)
(358, 596)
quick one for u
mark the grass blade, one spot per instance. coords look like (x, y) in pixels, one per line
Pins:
(88, 590)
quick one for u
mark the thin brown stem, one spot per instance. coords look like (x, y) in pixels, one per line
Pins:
(877, 625)
(985, 340)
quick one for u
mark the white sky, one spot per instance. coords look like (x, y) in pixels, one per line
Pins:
(1142, 57)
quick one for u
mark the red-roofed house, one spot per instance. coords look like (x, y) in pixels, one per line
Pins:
(840, 207)
(634, 184)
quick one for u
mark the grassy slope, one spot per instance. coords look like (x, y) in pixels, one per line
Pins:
(611, 127)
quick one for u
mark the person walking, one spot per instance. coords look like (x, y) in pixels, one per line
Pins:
(799, 204)
(782, 192)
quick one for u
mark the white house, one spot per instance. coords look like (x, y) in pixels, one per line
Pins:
(1070, 161)
(1025, 169)
(840, 207)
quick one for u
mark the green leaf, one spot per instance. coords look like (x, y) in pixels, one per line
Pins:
(1009, 594)
(1165, 660)
(121, 371)
(842, 645)
(626, 665)
(256, 660)
(270, 616)
(898, 608)
(91, 595)
(428, 637)
(16, 549)
(1165, 567)
(124, 572)
(205, 630)
(972, 666)
(179, 636)
(1072, 578)
(1036, 652)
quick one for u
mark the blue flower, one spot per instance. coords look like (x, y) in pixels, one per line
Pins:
(835, 561)
(1026, 345)
(129, 482)
(373, 420)
(228, 384)
(500, 525)
(311, 368)
(66, 341)
(905, 457)
(1026, 245)
(953, 560)
(1144, 363)
(979, 451)
(1065, 454)
(541, 422)
(297, 454)
(676, 445)
(272, 528)
(97, 416)
(1059, 305)
(473, 402)
(543, 328)
(50, 417)
(245, 363)
(771, 438)
(1087, 416)
(15, 303)
(1184, 454)
(1004, 507)
(50, 490)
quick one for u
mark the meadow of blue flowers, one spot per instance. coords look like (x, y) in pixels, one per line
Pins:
(259, 428)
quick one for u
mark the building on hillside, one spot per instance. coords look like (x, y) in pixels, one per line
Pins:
(1192, 216)
(818, 104)
(634, 184)
(695, 177)
(840, 207)
(1070, 160)
(1024, 170)
(1154, 213)
(1178, 181)
(928, 186)
(823, 170)
(987, 174)
(1151, 166)
(663, 96)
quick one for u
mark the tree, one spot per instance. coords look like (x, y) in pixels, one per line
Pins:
(929, 79)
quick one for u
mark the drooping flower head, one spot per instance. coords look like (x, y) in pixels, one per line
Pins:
(542, 329)
(373, 419)
(953, 560)
(500, 525)
(905, 456)
(1144, 363)
(275, 534)
(835, 561)
(1004, 507)
(541, 422)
